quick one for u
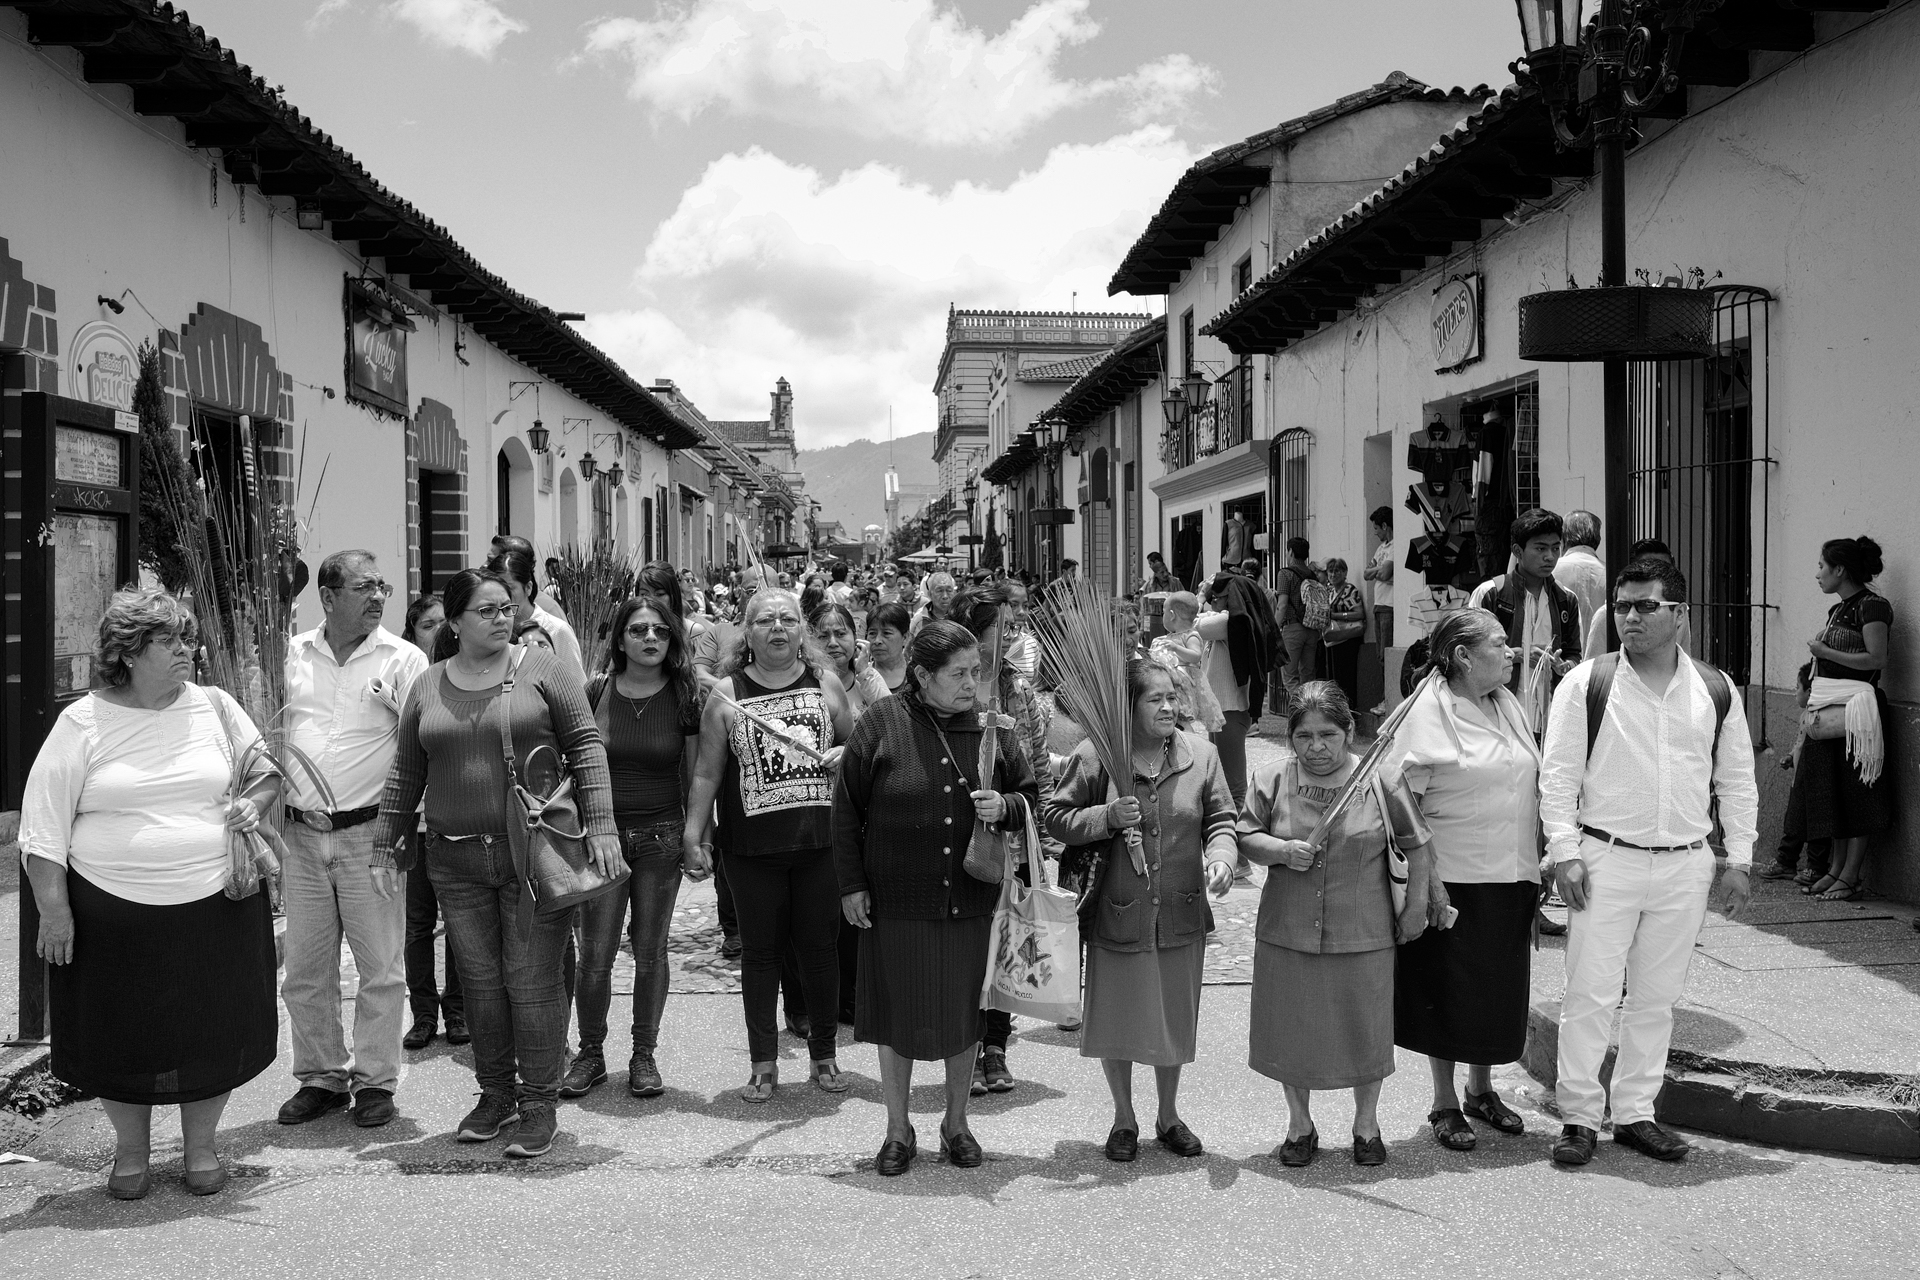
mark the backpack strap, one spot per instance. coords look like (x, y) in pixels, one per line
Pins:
(1600, 684)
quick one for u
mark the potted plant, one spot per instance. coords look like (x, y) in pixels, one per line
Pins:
(1671, 320)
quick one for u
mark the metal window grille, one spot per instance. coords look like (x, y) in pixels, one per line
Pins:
(1290, 470)
(1526, 447)
(1701, 477)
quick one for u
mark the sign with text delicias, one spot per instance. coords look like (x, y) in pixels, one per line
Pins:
(376, 350)
(1457, 330)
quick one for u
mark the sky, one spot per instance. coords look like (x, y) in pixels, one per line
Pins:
(739, 190)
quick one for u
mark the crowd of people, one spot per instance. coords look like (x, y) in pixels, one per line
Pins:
(813, 744)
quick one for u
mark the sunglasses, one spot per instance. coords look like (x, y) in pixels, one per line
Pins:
(649, 630)
(1621, 608)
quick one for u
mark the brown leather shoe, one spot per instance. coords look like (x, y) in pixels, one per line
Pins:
(1575, 1145)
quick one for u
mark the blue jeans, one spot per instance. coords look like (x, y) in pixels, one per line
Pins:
(653, 854)
(516, 1006)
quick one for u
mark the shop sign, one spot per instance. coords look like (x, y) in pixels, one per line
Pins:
(376, 350)
(105, 367)
(1457, 329)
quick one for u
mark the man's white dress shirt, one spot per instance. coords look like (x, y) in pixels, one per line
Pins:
(346, 718)
(1653, 772)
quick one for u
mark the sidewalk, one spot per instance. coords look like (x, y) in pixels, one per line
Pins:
(1800, 1025)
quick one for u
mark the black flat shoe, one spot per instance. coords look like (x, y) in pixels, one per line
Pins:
(960, 1149)
(1451, 1130)
(1123, 1145)
(130, 1186)
(1575, 1144)
(895, 1156)
(419, 1035)
(1369, 1151)
(206, 1182)
(1488, 1108)
(310, 1102)
(1178, 1139)
(1298, 1153)
(457, 1032)
(1649, 1139)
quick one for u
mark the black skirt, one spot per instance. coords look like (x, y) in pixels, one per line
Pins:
(164, 1005)
(1835, 803)
(1461, 994)
(918, 991)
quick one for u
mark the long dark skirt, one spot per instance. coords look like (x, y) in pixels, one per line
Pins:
(164, 1005)
(1321, 1021)
(1838, 806)
(919, 985)
(1460, 994)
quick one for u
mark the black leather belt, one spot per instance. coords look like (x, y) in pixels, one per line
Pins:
(1610, 838)
(337, 821)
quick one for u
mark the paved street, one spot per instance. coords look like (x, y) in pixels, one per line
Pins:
(697, 1183)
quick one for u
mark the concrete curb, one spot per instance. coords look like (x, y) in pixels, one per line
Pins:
(1717, 1097)
(17, 1062)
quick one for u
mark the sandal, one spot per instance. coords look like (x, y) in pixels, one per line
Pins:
(1806, 877)
(1489, 1108)
(1837, 894)
(828, 1076)
(1819, 886)
(760, 1086)
(1451, 1130)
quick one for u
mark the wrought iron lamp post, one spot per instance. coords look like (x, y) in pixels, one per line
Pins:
(1597, 80)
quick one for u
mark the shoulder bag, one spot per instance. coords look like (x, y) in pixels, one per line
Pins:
(987, 853)
(1396, 860)
(544, 832)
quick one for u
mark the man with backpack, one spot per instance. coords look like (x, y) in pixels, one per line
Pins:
(1642, 750)
(1304, 602)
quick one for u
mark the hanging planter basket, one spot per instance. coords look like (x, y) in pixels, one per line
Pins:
(1629, 322)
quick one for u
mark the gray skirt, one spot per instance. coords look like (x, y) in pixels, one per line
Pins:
(1143, 1006)
(1321, 1021)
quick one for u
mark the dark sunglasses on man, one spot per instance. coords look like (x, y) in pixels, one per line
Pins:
(1621, 608)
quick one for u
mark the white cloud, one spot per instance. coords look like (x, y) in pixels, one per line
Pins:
(471, 26)
(325, 12)
(880, 68)
(841, 284)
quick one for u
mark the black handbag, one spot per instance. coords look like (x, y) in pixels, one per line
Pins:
(544, 832)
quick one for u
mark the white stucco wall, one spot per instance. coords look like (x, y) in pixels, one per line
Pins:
(1806, 182)
(95, 200)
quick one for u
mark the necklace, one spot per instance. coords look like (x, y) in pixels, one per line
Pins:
(468, 669)
(640, 710)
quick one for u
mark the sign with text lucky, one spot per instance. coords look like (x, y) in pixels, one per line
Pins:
(376, 350)
(1457, 330)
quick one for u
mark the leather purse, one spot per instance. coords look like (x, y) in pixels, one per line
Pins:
(544, 831)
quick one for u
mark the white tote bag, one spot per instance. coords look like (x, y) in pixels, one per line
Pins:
(1033, 957)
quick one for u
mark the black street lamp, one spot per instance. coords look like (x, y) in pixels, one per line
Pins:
(1597, 80)
(537, 436)
(972, 489)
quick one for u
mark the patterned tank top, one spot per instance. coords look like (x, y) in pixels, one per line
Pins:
(775, 796)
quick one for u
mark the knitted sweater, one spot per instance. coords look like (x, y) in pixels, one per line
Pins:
(450, 748)
(902, 812)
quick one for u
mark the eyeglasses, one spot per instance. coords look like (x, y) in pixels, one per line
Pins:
(1621, 608)
(491, 612)
(373, 587)
(784, 620)
(179, 643)
(648, 630)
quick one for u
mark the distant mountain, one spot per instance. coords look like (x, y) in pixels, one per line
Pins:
(849, 482)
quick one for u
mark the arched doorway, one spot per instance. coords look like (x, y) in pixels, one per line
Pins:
(568, 531)
(513, 490)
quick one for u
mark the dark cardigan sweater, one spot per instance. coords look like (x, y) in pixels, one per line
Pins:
(902, 815)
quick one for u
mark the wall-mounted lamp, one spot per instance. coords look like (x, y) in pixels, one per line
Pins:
(308, 216)
(616, 475)
(112, 304)
(537, 436)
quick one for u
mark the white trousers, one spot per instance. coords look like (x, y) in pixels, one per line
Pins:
(1643, 913)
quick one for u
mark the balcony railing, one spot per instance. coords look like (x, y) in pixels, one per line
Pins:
(1222, 422)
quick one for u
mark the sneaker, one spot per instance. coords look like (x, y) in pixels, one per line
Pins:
(993, 1065)
(731, 946)
(978, 1089)
(538, 1125)
(483, 1122)
(643, 1076)
(588, 1068)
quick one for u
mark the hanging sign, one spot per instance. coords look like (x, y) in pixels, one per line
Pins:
(1457, 328)
(376, 350)
(105, 367)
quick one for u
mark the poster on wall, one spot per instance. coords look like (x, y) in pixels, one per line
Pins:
(376, 349)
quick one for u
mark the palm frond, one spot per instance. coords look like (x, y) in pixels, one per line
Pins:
(594, 581)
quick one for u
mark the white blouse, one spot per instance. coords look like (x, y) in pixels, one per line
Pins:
(1478, 783)
(135, 800)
